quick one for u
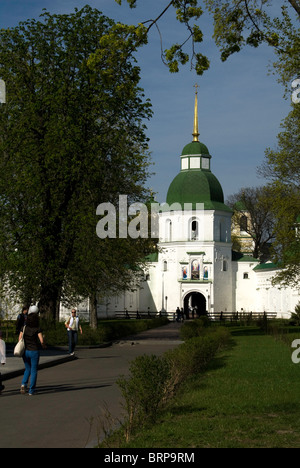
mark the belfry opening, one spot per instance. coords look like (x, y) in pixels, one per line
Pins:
(195, 305)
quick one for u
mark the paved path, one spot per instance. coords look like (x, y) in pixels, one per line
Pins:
(68, 410)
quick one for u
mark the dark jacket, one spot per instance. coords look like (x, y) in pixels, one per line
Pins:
(32, 342)
(21, 320)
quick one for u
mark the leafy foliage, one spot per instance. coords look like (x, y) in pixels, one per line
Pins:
(154, 380)
(283, 169)
(296, 315)
(187, 12)
(237, 23)
(255, 203)
(72, 136)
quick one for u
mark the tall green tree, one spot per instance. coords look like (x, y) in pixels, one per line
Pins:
(71, 136)
(100, 268)
(282, 169)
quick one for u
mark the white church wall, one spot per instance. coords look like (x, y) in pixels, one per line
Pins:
(222, 227)
(150, 289)
(110, 306)
(222, 278)
(277, 298)
(254, 291)
(82, 309)
(176, 226)
(169, 275)
(245, 287)
(10, 308)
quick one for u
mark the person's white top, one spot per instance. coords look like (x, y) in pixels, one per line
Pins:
(2, 352)
(73, 324)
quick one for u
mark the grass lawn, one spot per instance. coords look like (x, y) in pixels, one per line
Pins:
(249, 397)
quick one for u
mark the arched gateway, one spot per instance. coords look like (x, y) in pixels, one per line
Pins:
(195, 301)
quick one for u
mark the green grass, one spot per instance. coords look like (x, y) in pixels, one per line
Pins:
(248, 398)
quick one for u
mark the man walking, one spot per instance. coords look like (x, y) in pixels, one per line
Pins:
(21, 320)
(72, 326)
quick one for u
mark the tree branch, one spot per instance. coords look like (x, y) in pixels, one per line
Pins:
(295, 4)
(153, 22)
(251, 17)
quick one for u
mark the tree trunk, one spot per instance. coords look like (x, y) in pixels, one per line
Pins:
(49, 302)
(93, 311)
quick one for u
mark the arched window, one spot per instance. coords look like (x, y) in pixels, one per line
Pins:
(194, 229)
(165, 265)
(244, 224)
(246, 276)
(168, 230)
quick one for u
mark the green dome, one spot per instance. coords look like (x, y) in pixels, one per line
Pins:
(240, 206)
(195, 148)
(197, 187)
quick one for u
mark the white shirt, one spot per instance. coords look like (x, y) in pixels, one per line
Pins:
(2, 352)
(73, 324)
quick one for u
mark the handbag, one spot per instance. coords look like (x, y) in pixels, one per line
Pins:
(20, 346)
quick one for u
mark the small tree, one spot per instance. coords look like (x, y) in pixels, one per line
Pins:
(253, 214)
(296, 315)
(144, 391)
(282, 169)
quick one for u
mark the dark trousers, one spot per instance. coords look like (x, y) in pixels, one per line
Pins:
(73, 338)
(1, 386)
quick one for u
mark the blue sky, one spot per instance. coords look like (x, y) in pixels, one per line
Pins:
(240, 105)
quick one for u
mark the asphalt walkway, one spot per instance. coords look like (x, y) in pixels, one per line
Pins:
(74, 394)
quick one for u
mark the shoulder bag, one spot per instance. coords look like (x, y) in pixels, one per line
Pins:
(20, 346)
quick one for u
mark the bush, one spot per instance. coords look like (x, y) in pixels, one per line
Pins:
(144, 392)
(193, 356)
(111, 330)
(153, 380)
(194, 328)
(296, 315)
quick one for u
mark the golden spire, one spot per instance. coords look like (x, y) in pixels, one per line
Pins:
(196, 131)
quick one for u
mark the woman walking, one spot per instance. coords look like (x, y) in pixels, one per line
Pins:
(33, 341)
